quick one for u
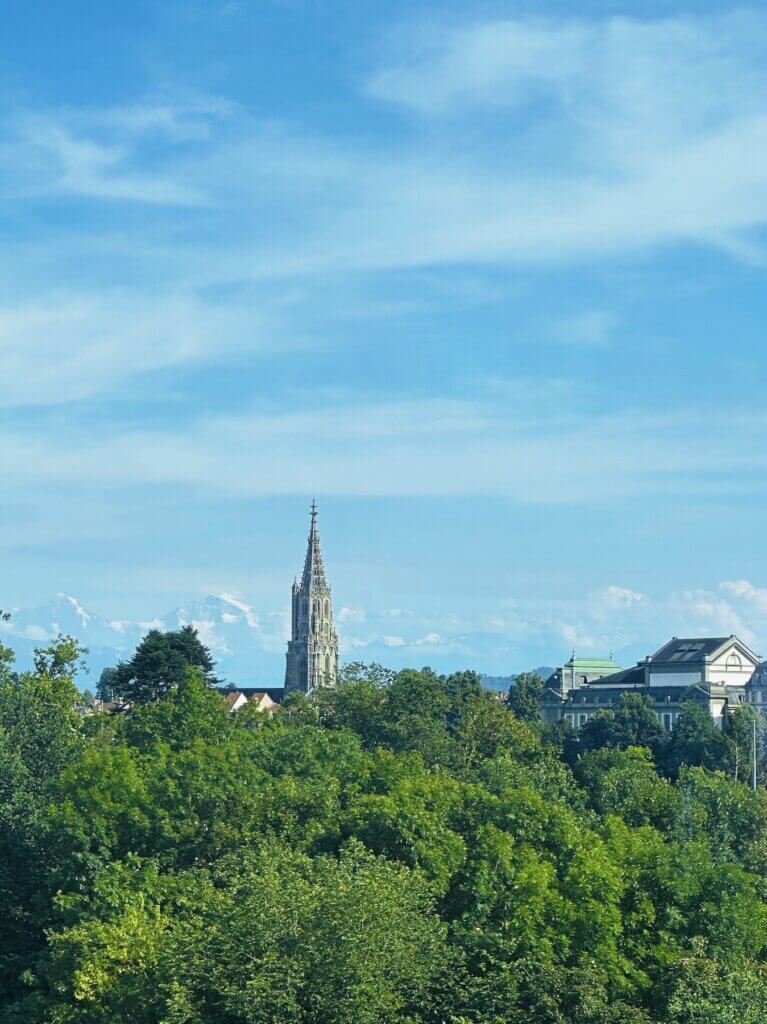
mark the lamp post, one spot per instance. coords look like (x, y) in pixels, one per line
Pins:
(753, 760)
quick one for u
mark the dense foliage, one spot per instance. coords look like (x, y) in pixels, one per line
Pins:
(158, 666)
(404, 849)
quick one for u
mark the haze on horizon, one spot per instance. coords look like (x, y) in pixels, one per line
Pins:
(487, 280)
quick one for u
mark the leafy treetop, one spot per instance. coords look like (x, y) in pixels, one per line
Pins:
(160, 665)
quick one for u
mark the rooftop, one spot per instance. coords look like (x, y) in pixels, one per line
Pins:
(687, 649)
(586, 663)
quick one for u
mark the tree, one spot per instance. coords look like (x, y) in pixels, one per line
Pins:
(277, 938)
(703, 991)
(486, 729)
(732, 818)
(404, 851)
(633, 723)
(358, 671)
(160, 664)
(739, 730)
(106, 684)
(625, 782)
(41, 734)
(696, 741)
(415, 715)
(355, 704)
(7, 657)
(525, 696)
(63, 658)
(191, 713)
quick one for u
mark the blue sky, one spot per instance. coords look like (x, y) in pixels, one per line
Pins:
(487, 280)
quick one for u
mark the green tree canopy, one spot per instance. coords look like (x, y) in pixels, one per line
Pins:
(696, 740)
(525, 696)
(160, 664)
(105, 687)
(403, 850)
(632, 723)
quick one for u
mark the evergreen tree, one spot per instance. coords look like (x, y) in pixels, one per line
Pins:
(105, 687)
(160, 664)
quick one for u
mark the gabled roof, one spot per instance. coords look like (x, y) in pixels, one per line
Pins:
(689, 649)
(261, 695)
(276, 693)
(548, 693)
(694, 650)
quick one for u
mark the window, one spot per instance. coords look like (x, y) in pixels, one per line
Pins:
(757, 696)
(582, 719)
(734, 664)
(571, 720)
(687, 652)
(667, 720)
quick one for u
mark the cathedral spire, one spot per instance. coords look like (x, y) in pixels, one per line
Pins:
(314, 571)
(312, 658)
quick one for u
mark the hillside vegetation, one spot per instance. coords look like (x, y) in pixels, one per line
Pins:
(402, 850)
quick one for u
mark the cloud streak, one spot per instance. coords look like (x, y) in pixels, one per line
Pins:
(588, 138)
(412, 448)
(72, 346)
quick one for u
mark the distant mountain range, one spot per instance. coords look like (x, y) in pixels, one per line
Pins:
(502, 683)
(248, 649)
(230, 628)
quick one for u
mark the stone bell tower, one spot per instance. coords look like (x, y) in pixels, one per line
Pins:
(312, 658)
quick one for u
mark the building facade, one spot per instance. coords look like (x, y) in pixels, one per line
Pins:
(756, 688)
(715, 672)
(312, 658)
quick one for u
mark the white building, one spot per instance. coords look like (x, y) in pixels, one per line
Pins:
(713, 671)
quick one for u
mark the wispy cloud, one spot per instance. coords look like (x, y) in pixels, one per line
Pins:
(616, 619)
(621, 620)
(589, 137)
(616, 134)
(691, 70)
(623, 134)
(104, 153)
(67, 346)
(430, 447)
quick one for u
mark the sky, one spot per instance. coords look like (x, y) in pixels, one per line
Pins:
(487, 280)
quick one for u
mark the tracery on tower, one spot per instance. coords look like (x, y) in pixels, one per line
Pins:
(312, 658)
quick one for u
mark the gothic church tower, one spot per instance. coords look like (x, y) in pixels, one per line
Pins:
(312, 658)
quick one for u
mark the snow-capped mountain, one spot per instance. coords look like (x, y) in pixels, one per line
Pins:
(243, 647)
(65, 614)
(245, 651)
(248, 648)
